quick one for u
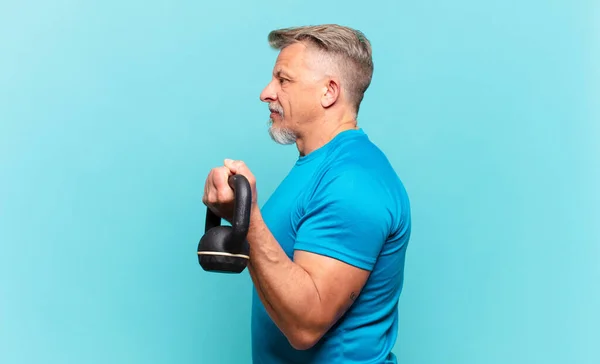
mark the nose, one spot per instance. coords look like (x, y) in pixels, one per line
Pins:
(269, 93)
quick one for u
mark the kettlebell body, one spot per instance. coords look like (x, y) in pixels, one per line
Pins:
(218, 253)
(224, 249)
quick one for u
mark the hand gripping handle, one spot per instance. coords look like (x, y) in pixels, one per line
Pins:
(242, 205)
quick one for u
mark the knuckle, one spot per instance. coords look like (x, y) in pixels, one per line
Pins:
(222, 172)
(211, 196)
(223, 196)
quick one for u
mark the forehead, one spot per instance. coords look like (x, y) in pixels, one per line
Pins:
(294, 57)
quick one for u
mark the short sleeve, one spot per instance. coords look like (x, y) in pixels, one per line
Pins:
(346, 218)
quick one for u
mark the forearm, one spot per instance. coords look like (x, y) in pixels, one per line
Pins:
(287, 291)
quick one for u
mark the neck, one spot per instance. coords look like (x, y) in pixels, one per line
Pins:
(322, 132)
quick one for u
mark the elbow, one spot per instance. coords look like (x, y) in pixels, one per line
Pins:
(309, 330)
(303, 340)
(306, 337)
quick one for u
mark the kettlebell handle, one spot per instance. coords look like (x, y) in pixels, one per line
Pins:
(242, 204)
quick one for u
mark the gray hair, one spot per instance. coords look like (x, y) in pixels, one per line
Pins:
(349, 49)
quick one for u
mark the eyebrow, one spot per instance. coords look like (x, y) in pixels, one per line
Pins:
(282, 73)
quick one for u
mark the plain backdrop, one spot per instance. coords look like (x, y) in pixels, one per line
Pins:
(112, 113)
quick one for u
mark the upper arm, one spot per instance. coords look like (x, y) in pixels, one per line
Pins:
(339, 237)
(338, 284)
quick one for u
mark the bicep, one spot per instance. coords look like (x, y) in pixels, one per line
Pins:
(338, 283)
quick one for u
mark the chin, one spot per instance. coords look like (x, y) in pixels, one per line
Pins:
(281, 135)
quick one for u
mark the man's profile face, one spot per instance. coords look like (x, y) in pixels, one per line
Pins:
(292, 93)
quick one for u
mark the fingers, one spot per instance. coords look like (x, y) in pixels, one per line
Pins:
(229, 163)
(221, 192)
(236, 166)
(233, 165)
(205, 195)
(220, 175)
(239, 167)
(217, 191)
(216, 188)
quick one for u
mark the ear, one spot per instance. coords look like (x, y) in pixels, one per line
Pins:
(331, 92)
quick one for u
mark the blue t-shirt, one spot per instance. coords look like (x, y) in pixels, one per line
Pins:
(343, 200)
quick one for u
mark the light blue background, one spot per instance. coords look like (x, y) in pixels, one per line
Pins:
(112, 114)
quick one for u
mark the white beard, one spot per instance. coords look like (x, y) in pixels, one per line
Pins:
(281, 135)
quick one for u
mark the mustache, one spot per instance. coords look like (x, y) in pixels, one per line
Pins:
(274, 107)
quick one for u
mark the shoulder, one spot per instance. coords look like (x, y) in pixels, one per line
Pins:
(359, 165)
(358, 173)
(353, 189)
(349, 178)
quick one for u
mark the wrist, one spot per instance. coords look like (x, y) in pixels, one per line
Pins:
(255, 215)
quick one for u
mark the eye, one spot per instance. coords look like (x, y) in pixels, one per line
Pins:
(282, 80)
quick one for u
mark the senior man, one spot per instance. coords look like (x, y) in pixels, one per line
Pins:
(327, 250)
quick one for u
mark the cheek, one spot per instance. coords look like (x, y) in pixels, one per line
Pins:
(282, 97)
(285, 101)
(298, 102)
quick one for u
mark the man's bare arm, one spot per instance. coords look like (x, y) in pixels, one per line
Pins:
(304, 296)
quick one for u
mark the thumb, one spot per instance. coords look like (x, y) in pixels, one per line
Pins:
(238, 167)
(231, 165)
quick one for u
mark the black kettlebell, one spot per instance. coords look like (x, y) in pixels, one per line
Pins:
(224, 249)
